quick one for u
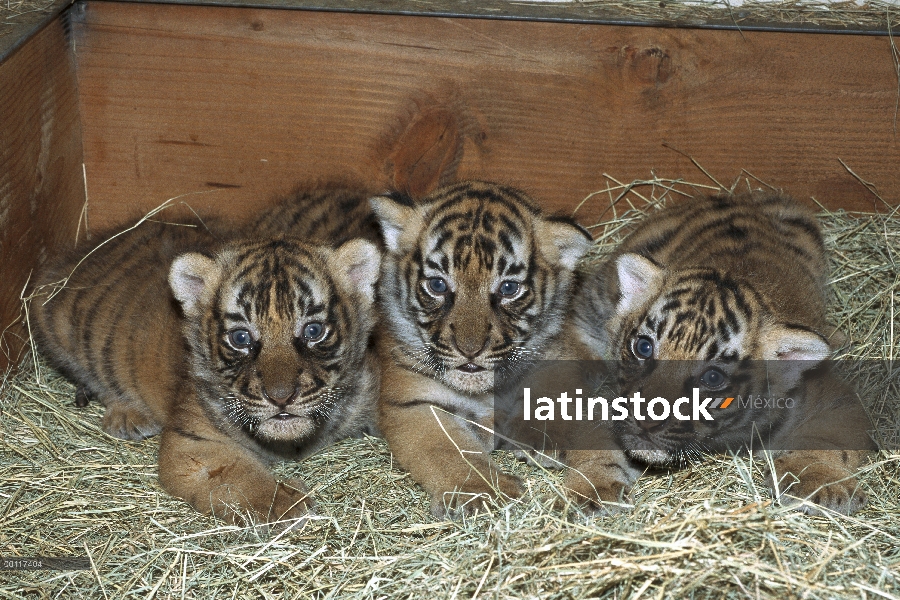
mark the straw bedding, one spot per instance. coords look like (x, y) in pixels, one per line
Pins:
(711, 530)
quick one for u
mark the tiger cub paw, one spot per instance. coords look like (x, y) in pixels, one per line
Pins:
(825, 485)
(600, 496)
(475, 495)
(292, 503)
(284, 506)
(129, 422)
(83, 396)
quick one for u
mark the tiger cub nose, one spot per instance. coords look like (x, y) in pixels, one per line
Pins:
(470, 344)
(280, 394)
(651, 426)
(470, 348)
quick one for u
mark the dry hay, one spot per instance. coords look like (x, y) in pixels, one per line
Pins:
(849, 15)
(711, 530)
(18, 12)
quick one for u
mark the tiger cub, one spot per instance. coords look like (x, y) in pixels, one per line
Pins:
(278, 333)
(698, 296)
(475, 281)
(240, 350)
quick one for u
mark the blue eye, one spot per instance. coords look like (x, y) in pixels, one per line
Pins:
(437, 285)
(313, 332)
(240, 338)
(714, 379)
(509, 288)
(642, 347)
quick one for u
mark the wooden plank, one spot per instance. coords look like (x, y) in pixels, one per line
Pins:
(41, 188)
(241, 103)
(849, 18)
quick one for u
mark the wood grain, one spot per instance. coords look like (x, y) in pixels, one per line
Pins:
(242, 103)
(41, 187)
(226, 107)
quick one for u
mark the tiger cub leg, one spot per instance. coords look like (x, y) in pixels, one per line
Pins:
(825, 477)
(217, 475)
(446, 459)
(599, 479)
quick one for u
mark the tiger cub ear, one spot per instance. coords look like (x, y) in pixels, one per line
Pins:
(638, 279)
(193, 279)
(562, 241)
(783, 342)
(356, 266)
(400, 218)
(801, 350)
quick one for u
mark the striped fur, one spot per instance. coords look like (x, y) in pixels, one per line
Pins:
(83, 328)
(273, 290)
(710, 288)
(476, 281)
(330, 212)
(242, 350)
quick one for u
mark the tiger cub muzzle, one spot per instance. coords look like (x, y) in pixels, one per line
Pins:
(677, 439)
(284, 396)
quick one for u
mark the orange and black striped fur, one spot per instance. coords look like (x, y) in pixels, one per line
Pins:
(256, 348)
(697, 296)
(476, 281)
(104, 317)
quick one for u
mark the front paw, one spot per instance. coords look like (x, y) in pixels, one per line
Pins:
(292, 501)
(251, 505)
(129, 422)
(604, 494)
(825, 485)
(475, 495)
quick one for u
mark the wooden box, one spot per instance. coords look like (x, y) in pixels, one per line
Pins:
(107, 109)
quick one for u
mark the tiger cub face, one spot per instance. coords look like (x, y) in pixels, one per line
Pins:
(475, 279)
(277, 331)
(700, 328)
(707, 318)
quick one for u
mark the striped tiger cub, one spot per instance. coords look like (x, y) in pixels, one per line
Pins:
(698, 296)
(241, 350)
(476, 281)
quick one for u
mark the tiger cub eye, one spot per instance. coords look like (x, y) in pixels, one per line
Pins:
(313, 332)
(509, 288)
(642, 347)
(240, 338)
(437, 285)
(714, 379)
